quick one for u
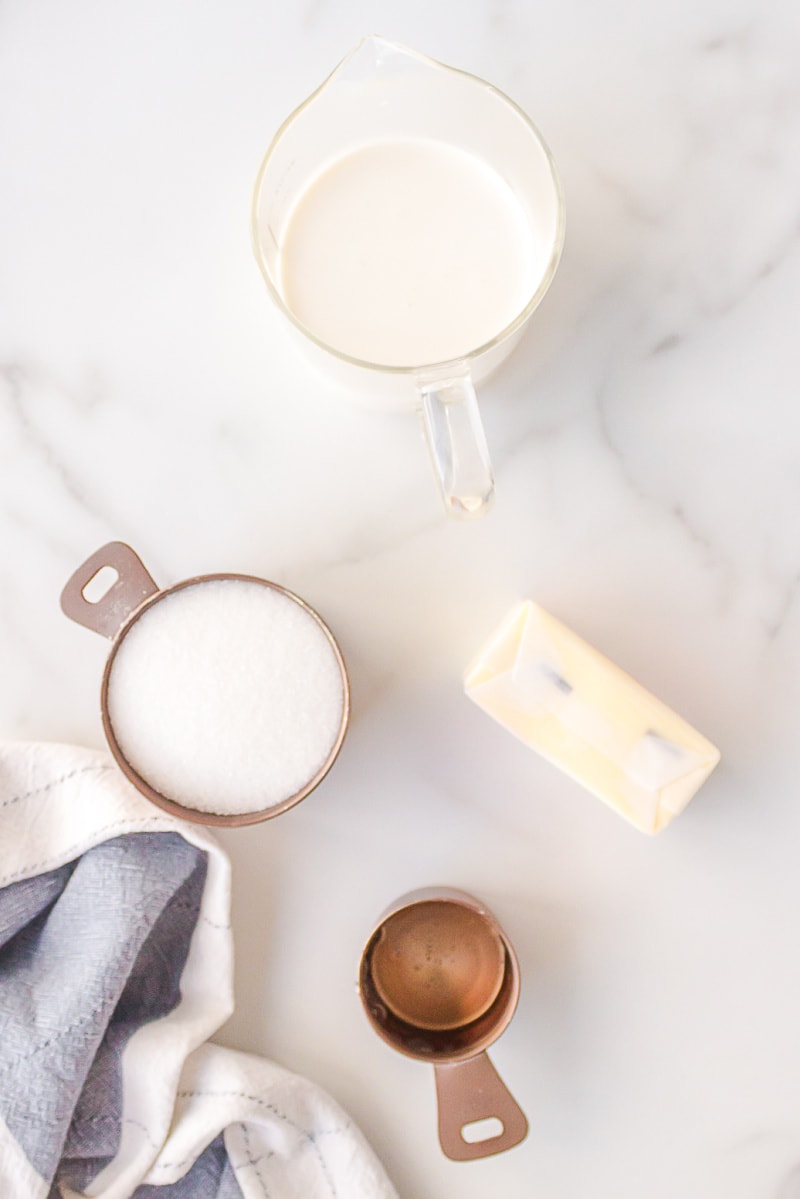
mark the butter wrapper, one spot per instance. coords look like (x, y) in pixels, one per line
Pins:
(586, 716)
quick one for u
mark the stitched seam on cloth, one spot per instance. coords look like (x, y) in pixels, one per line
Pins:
(189, 907)
(185, 1161)
(215, 924)
(143, 1127)
(87, 843)
(107, 1118)
(54, 783)
(251, 1161)
(323, 1164)
(310, 1137)
(117, 827)
(86, 1018)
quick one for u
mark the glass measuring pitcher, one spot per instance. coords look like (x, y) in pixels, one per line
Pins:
(408, 219)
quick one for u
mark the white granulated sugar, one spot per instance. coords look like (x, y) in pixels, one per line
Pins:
(226, 696)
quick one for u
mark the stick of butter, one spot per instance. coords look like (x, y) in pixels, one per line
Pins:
(585, 715)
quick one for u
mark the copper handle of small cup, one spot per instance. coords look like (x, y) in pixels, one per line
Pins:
(470, 1091)
(126, 593)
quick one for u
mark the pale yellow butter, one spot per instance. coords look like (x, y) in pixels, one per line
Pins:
(585, 715)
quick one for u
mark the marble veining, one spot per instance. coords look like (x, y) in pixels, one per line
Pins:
(20, 399)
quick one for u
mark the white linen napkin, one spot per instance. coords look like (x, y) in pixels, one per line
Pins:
(115, 969)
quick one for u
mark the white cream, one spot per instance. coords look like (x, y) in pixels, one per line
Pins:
(407, 253)
(226, 696)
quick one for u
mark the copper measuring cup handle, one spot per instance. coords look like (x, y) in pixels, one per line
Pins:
(470, 1091)
(132, 586)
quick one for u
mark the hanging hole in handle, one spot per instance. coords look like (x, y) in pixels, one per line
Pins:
(106, 588)
(478, 1131)
(473, 1098)
(98, 587)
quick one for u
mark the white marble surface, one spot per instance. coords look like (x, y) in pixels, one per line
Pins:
(645, 438)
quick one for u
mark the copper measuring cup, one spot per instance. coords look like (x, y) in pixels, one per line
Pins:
(133, 593)
(439, 981)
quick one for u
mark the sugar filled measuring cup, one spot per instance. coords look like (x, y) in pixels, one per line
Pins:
(125, 605)
(384, 95)
(439, 981)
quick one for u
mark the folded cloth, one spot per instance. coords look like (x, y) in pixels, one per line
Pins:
(116, 966)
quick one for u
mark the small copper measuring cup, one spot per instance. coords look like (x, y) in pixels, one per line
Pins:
(439, 981)
(129, 596)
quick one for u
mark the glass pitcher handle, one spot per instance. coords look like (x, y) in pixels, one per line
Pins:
(457, 444)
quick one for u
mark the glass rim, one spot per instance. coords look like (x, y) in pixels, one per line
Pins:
(444, 365)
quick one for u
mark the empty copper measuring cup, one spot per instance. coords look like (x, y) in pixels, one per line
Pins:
(439, 981)
(129, 597)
